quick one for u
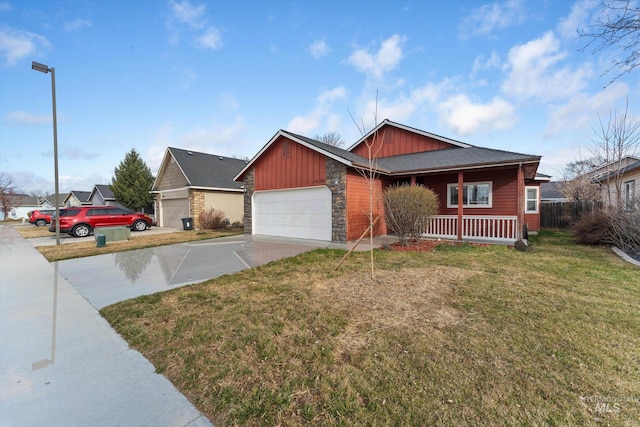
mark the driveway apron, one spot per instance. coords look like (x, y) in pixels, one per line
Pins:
(61, 364)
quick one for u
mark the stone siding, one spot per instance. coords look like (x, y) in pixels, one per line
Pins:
(249, 188)
(196, 206)
(337, 183)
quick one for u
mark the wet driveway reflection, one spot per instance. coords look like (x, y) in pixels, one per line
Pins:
(106, 279)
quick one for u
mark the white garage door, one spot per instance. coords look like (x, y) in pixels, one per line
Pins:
(303, 213)
(173, 210)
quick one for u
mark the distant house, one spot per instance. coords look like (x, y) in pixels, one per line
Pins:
(101, 195)
(77, 198)
(299, 187)
(551, 192)
(619, 181)
(189, 183)
(28, 203)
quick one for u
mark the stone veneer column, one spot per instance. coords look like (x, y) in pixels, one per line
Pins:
(196, 202)
(337, 183)
(249, 188)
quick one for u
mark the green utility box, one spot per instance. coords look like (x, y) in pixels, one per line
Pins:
(113, 234)
(101, 240)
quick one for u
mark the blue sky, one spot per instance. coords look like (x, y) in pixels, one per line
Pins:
(223, 76)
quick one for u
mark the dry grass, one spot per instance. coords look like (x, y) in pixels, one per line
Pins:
(137, 241)
(31, 231)
(463, 335)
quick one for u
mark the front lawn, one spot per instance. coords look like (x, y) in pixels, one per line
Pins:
(463, 335)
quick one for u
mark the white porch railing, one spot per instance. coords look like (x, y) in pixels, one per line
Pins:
(473, 227)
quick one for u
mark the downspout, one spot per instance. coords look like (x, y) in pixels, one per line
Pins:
(520, 210)
(460, 203)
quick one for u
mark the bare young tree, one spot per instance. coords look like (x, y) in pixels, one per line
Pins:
(576, 184)
(616, 26)
(9, 197)
(331, 138)
(611, 146)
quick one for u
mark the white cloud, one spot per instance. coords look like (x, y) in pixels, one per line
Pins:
(385, 59)
(319, 49)
(77, 24)
(306, 124)
(494, 16)
(184, 13)
(464, 117)
(24, 118)
(224, 139)
(482, 63)
(16, 44)
(5, 6)
(534, 71)
(210, 39)
(581, 110)
(578, 18)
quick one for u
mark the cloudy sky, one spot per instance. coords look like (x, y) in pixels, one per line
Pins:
(222, 77)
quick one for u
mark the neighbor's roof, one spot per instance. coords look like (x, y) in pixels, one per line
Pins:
(206, 170)
(83, 196)
(104, 190)
(629, 168)
(551, 191)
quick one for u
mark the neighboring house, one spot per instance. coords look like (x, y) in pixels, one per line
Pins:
(551, 192)
(101, 195)
(626, 175)
(189, 183)
(28, 203)
(299, 187)
(77, 198)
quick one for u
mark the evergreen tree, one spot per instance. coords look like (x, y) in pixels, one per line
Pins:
(132, 182)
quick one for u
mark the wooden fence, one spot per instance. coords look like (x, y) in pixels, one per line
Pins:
(563, 214)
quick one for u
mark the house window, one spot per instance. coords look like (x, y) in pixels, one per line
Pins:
(629, 194)
(474, 195)
(531, 200)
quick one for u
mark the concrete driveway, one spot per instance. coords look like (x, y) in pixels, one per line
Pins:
(61, 364)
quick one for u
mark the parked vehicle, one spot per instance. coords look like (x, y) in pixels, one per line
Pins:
(41, 217)
(80, 221)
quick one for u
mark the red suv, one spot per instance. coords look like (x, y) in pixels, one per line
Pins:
(81, 220)
(41, 217)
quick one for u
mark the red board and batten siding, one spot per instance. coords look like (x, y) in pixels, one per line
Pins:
(504, 191)
(293, 167)
(399, 141)
(358, 206)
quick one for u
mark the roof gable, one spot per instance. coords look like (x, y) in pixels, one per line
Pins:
(336, 153)
(203, 170)
(388, 123)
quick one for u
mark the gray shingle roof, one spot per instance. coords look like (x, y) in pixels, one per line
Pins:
(208, 170)
(336, 151)
(83, 196)
(105, 191)
(451, 159)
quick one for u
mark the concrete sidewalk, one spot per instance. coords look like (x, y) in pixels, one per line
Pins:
(61, 364)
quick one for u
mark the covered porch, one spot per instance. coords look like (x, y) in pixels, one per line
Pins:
(477, 228)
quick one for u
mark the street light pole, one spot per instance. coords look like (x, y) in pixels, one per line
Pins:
(45, 69)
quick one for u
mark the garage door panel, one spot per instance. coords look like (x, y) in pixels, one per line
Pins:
(173, 211)
(301, 213)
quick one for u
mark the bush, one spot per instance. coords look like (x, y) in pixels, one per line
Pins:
(408, 209)
(592, 228)
(619, 227)
(237, 224)
(213, 219)
(624, 227)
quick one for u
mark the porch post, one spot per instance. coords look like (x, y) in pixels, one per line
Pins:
(460, 203)
(413, 180)
(520, 198)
